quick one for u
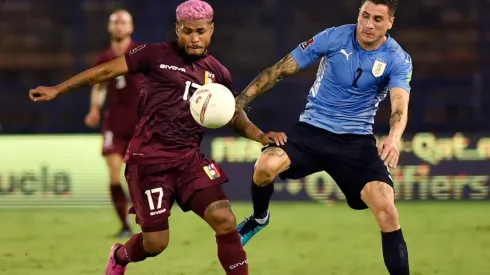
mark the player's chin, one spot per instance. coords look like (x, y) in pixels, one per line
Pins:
(195, 51)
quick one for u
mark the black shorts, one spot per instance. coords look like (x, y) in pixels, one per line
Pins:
(351, 160)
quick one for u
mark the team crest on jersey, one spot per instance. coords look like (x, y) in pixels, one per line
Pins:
(209, 77)
(305, 44)
(378, 68)
(211, 171)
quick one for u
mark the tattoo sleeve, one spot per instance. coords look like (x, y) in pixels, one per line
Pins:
(268, 79)
(245, 128)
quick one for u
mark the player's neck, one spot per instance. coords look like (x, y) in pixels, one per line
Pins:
(373, 46)
(120, 47)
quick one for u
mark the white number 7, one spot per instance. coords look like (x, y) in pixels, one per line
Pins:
(148, 193)
(188, 85)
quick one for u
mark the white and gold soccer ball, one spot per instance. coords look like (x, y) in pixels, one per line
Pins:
(212, 105)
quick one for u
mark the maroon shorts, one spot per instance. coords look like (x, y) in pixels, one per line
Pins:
(154, 188)
(114, 144)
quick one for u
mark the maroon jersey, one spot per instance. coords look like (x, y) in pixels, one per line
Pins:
(166, 132)
(121, 114)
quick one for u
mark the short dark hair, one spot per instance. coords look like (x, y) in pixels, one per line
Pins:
(392, 4)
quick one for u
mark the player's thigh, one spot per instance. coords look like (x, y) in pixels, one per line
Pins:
(357, 167)
(152, 192)
(212, 205)
(298, 158)
(200, 190)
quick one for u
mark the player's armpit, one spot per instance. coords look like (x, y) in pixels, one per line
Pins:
(97, 74)
(399, 99)
(287, 66)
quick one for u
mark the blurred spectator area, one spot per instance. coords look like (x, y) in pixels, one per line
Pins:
(42, 42)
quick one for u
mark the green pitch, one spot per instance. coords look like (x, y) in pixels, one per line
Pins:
(443, 238)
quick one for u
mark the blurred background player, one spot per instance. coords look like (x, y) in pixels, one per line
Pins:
(359, 65)
(164, 162)
(121, 112)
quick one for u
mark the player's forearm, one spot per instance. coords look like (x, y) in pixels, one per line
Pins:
(268, 79)
(91, 76)
(245, 128)
(97, 97)
(398, 122)
(95, 75)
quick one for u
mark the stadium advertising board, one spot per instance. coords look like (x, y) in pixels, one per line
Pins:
(432, 167)
(68, 170)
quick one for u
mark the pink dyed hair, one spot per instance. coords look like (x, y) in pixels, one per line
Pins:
(192, 10)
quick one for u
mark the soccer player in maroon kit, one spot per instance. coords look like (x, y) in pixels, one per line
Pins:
(164, 163)
(121, 114)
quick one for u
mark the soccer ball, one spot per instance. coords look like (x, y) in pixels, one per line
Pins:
(212, 105)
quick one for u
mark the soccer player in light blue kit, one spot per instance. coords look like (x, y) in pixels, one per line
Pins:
(359, 65)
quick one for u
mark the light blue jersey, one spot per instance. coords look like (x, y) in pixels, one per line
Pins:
(350, 82)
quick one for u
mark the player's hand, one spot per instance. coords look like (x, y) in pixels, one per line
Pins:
(42, 93)
(388, 151)
(277, 138)
(92, 119)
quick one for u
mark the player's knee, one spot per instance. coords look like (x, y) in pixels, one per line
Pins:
(220, 217)
(155, 242)
(224, 222)
(387, 217)
(264, 173)
(379, 197)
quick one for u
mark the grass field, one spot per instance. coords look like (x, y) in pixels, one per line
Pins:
(443, 238)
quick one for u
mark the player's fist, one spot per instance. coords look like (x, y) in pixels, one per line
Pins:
(42, 93)
(92, 119)
(388, 152)
(277, 138)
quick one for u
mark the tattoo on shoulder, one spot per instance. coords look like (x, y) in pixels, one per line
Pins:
(274, 151)
(218, 205)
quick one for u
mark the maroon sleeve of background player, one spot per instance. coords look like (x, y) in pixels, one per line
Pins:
(139, 59)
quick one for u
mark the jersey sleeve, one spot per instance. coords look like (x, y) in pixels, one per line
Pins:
(227, 81)
(402, 74)
(139, 59)
(312, 50)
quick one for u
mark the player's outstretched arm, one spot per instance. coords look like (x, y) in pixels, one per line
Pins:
(245, 128)
(92, 76)
(268, 79)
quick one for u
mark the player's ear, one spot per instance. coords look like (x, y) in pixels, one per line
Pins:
(392, 20)
(211, 28)
(177, 28)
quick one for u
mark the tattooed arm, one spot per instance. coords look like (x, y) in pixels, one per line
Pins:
(399, 112)
(268, 79)
(96, 75)
(245, 128)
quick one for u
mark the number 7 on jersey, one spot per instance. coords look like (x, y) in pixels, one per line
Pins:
(188, 86)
